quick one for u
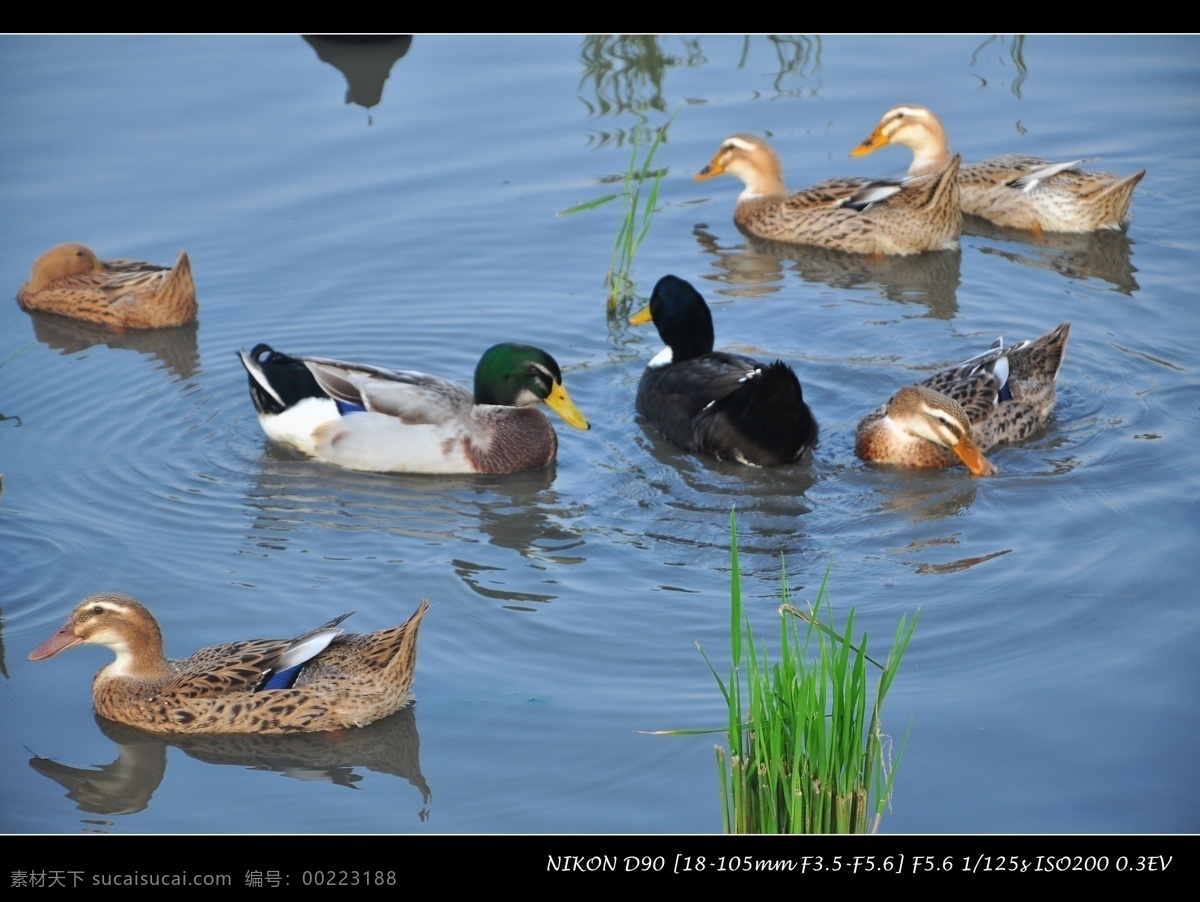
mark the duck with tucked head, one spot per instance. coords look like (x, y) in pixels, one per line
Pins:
(1002, 395)
(69, 279)
(1015, 190)
(865, 216)
(322, 680)
(398, 421)
(725, 405)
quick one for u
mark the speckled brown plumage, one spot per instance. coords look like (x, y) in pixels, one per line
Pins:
(70, 280)
(1016, 190)
(1070, 200)
(886, 217)
(1002, 395)
(354, 680)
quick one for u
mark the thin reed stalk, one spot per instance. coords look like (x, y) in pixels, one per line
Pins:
(639, 200)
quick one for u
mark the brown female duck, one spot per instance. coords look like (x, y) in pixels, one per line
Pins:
(1015, 190)
(70, 280)
(322, 680)
(882, 217)
(959, 414)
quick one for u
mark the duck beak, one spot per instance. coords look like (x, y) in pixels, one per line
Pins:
(560, 402)
(973, 458)
(873, 141)
(713, 168)
(642, 316)
(61, 640)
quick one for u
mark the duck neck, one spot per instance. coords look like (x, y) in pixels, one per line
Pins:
(766, 182)
(931, 153)
(139, 655)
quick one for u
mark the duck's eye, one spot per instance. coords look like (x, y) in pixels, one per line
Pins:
(96, 609)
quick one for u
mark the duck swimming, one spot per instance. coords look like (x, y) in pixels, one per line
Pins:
(397, 421)
(322, 680)
(865, 216)
(728, 406)
(1015, 190)
(960, 414)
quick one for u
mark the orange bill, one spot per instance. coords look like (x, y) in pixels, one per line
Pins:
(713, 168)
(973, 458)
(873, 141)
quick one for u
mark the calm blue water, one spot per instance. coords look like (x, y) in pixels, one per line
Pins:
(1050, 684)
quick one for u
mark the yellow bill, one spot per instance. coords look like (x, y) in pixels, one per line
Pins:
(560, 402)
(641, 317)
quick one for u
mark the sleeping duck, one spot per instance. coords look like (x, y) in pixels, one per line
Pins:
(70, 280)
(724, 405)
(398, 421)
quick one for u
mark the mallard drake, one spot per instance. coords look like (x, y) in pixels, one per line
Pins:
(725, 405)
(866, 216)
(1018, 191)
(322, 680)
(368, 418)
(1001, 395)
(70, 280)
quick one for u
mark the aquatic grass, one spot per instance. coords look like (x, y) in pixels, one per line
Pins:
(16, 354)
(3, 417)
(639, 200)
(806, 758)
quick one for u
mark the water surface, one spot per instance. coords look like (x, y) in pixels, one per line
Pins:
(1049, 686)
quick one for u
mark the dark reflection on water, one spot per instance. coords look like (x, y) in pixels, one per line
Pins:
(295, 493)
(3, 653)
(365, 60)
(625, 73)
(1104, 254)
(175, 347)
(931, 279)
(127, 784)
(300, 504)
(924, 496)
(1014, 53)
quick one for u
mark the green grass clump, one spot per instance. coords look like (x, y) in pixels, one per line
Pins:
(804, 757)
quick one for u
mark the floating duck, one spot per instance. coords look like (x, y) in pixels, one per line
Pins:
(1017, 191)
(70, 280)
(724, 405)
(1002, 395)
(322, 680)
(866, 216)
(368, 418)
